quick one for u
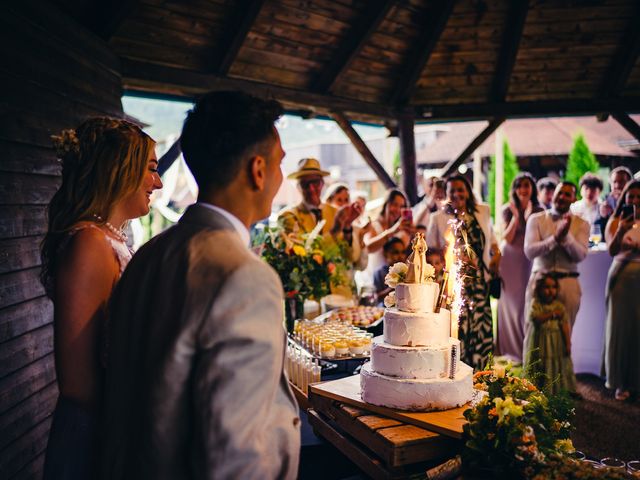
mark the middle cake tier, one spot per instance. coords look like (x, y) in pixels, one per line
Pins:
(416, 329)
(427, 362)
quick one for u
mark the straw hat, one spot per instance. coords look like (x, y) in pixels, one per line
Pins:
(308, 166)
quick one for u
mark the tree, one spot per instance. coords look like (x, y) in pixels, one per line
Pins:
(581, 161)
(511, 169)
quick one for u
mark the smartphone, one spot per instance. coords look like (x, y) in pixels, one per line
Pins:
(407, 215)
(628, 211)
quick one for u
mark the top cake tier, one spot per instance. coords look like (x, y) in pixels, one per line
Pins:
(417, 297)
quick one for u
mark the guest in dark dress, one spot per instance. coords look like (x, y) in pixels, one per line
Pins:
(515, 267)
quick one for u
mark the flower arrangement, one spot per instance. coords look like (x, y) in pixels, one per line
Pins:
(308, 265)
(516, 431)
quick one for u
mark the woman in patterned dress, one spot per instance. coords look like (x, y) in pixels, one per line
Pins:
(480, 256)
(109, 170)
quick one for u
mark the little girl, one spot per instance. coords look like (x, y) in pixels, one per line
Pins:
(547, 356)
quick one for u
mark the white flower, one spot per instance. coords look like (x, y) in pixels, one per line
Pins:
(391, 280)
(429, 271)
(499, 371)
(390, 300)
(400, 269)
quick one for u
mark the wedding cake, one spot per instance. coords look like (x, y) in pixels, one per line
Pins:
(414, 365)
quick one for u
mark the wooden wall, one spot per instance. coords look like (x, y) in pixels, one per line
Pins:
(53, 75)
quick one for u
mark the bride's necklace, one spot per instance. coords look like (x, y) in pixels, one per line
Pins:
(117, 232)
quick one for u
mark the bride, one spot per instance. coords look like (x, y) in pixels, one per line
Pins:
(109, 170)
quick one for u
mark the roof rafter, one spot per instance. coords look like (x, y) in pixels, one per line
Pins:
(421, 52)
(624, 59)
(355, 40)
(516, 18)
(363, 150)
(106, 17)
(236, 32)
(628, 124)
(494, 123)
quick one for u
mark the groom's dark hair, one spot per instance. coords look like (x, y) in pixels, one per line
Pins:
(222, 130)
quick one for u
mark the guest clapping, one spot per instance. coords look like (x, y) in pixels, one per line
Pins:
(515, 267)
(587, 207)
(109, 170)
(622, 337)
(618, 178)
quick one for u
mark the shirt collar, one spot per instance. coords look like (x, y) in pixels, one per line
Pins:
(235, 222)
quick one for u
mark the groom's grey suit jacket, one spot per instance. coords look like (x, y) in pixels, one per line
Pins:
(195, 384)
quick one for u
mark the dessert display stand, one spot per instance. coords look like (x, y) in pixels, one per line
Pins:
(383, 442)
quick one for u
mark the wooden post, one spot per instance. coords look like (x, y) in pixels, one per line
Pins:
(408, 157)
(499, 186)
(477, 174)
(362, 148)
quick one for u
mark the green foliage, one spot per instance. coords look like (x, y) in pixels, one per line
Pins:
(511, 169)
(581, 161)
(308, 266)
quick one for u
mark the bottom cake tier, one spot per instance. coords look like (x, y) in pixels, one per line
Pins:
(417, 394)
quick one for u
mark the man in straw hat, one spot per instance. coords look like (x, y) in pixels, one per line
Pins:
(304, 217)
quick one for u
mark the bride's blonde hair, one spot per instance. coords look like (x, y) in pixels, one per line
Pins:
(103, 161)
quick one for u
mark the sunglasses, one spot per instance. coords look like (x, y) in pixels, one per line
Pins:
(316, 182)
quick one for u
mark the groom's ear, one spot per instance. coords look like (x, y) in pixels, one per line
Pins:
(257, 172)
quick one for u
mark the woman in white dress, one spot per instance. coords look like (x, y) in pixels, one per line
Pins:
(109, 170)
(622, 331)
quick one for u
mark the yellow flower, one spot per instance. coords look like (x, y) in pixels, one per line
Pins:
(505, 407)
(300, 251)
(565, 445)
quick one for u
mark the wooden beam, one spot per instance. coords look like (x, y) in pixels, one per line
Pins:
(628, 124)
(170, 156)
(479, 140)
(356, 39)
(362, 149)
(158, 79)
(236, 32)
(624, 59)
(407, 141)
(421, 52)
(516, 18)
(482, 111)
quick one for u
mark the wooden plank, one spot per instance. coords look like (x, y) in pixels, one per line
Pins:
(162, 36)
(371, 466)
(20, 351)
(26, 158)
(347, 390)
(20, 385)
(188, 58)
(362, 149)
(628, 124)
(22, 221)
(352, 44)
(168, 19)
(421, 52)
(23, 317)
(31, 470)
(18, 420)
(47, 17)
(16, 287)
(27, 189)
(475, 143)
(19, 253)
(24, 449)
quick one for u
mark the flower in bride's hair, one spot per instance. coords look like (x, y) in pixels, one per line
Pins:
(390, 300)
(65, 143)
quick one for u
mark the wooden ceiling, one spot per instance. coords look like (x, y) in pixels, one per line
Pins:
(378, 60)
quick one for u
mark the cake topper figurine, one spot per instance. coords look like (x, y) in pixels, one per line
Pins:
(417, 262)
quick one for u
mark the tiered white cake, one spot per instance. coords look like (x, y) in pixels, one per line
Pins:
(414, 365)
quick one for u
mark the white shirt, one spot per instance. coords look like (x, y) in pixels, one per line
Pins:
(540, 245)
(235, 222)
(587, 212)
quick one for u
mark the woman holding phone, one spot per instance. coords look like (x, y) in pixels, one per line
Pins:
(622, 332)
(394, 221)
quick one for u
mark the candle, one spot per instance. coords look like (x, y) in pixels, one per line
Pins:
(454, 323)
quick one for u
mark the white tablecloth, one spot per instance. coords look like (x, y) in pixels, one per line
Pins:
(588, 332)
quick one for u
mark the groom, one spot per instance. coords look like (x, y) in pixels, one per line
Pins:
(195, 384)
